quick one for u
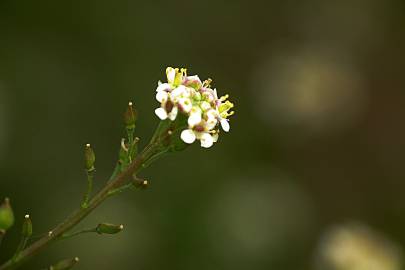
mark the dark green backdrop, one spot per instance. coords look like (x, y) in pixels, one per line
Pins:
(318, 137)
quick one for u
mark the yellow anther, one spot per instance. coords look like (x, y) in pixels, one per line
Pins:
(207, 83)
(184, 72)
(178, 78)
(223, 98)
(226, 106)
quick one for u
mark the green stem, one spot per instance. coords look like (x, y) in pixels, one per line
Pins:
(81, 213)
(121, 189)
(21, 246)
(86, 198)
(70, 235)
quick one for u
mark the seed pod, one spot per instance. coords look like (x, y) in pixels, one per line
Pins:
(27, 227)
(107, 228)
(6, 215)
(89, 158)
(130, 116)
(65, 264)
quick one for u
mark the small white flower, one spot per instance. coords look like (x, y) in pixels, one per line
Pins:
(171, 75)
(211, 119)
(225, 125)
(162, 96)
(173, 114)
(193, 81)
(205, 106)
(206, 140)
(187, 95)
(161, 113)
(163, 87)
(195, 116)
(185, 104)
(207, 96)
(180, 91)
(188, 136)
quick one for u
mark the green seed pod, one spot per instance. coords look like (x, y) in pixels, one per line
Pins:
(106, 228)
(89, 158)
(65, 264)
(130, 116)
(6, 215)
(27, 227)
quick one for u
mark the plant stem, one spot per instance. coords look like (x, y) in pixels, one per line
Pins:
(70, 235)
(81, 213)
(21, 246)
(86, 198)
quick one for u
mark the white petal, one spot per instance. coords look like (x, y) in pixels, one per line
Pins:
(225, 125)
(162, 96)
(185, 104)
(171, 74)
(161, 113)
(163, 86)
(194, 78)
(205, 106)
(211, 124)
(173, 113)
(208, 96)
(215, 94)
(206, 140)
(180, 91)
(187, 136)
(195, 116)
(193, 81)
(211, 115)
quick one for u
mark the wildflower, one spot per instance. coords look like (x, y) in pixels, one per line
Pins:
(204, 111)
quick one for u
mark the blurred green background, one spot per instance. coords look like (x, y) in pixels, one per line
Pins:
(318, 138)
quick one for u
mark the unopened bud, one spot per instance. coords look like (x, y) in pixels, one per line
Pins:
(65, 264)
(107, 228)
(89, 158)
(140, 183)
(130, 116)
(6, 215)
(27, 227)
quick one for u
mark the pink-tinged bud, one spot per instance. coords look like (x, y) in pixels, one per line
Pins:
(89, 158)
(130, 116)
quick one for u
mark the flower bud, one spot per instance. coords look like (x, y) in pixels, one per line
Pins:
(107, 228)
(130, 116)
(140, 183)
(65, 264)
(6, 215)
(89, 158)
(27, 227)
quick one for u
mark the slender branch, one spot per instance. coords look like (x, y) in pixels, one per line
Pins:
(81, 213)
(121, 189)
(86, 198)
(70, 235)
(21, 246)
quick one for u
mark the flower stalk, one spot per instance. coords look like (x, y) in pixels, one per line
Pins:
(26, 233)
(190, 110)
(81, 213)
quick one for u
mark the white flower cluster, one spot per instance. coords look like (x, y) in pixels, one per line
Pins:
(204, 110)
